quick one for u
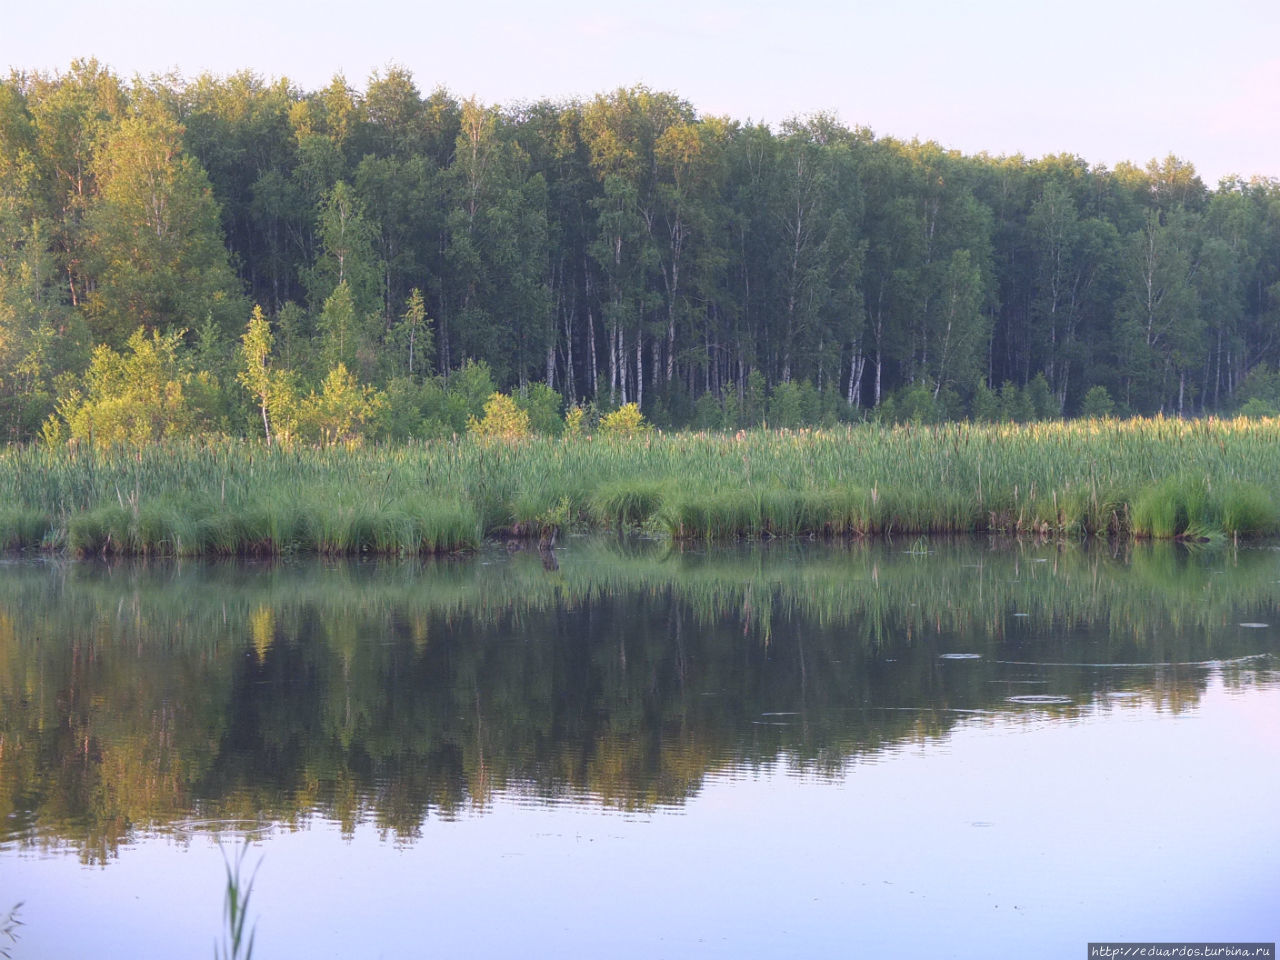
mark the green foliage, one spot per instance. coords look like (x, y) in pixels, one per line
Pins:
(1097, 403)
(985, 406)
(20, 529)
(1259, 393)
(622, 249)
(1047, 479)
(1040, 399)
(1258, 407)
(793, 404)
(155, 250)
(340, 328)
(347, 257)
(1195, 508)
(135, 397)
(917, 404)
(709, 413)
(1015, 404)
(40, 337)
(256, 376)
(754, 399)
(415, 335)
(626, 503)
(340, 413)
(503, 420)
(465, 392)
(626, 421)
(1177, 506)
(543, 405)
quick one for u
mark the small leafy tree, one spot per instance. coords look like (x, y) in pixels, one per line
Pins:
(1097, 403)
(786, 405)
(503, 420)
(415, 329)
(1015, 405)
(626, 421)
(256, 376)
(1040, 398)
(985, 406)
(917, 404)
(1256, 408)
(340, 412)
(339, 328)
(142, 394)
(543, 406)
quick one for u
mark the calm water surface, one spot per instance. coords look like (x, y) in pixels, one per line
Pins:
(623, 750)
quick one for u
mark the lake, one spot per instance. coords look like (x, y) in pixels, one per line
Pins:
(926, 748)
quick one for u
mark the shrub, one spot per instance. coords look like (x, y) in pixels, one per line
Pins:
(1257, 407)
(542, 404)
(626, 421)
(503, 419)
(573, 421)
(1097, 403)
(340, 412)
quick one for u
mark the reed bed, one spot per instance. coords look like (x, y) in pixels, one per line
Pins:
(1135, 478)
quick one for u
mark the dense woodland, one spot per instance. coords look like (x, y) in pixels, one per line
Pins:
(412, 252)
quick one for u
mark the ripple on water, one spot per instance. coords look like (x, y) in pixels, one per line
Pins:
(959, 656)
(1042, 699)
(244, 829)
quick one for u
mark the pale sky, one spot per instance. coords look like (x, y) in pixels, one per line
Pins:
(1109, 80)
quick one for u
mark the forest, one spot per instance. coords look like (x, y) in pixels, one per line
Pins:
(233, 255)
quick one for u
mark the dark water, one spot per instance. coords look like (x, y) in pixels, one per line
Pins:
(934, 749)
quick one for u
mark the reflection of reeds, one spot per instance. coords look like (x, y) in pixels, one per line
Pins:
(1138, 591)
(1056, 479)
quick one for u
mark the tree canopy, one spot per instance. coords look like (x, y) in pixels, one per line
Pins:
(622, 249)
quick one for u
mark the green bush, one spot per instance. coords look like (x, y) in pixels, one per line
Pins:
(626, 421)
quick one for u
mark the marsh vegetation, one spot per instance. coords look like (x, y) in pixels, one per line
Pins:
(1137, 478)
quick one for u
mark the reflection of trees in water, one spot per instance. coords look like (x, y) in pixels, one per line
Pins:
(134, 696)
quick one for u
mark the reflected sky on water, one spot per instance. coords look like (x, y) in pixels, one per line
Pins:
(642, 752)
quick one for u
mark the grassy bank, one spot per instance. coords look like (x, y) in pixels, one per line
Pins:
(1137, 478)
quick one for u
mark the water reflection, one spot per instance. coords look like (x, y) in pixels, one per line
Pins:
(191, 697)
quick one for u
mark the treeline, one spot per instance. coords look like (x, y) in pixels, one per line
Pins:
(618, 250)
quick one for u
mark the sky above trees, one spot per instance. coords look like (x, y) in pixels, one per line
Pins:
(1104, 80)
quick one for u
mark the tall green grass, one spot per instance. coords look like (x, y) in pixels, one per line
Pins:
(1141, 478)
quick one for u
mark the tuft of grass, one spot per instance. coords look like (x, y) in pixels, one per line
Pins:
(235, 910)
(1249, 509)
(22, 528)
(104, 530)
(713, 515)
(1179, 506)
(9, 930)
(626, 503)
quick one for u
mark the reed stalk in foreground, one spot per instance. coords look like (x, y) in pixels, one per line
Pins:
(235, 910)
